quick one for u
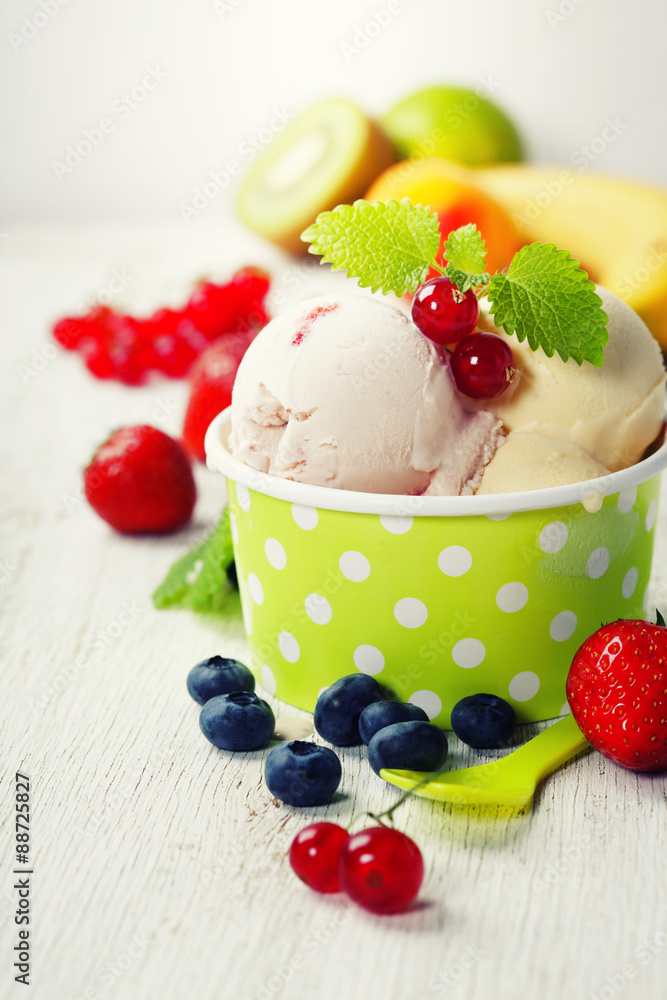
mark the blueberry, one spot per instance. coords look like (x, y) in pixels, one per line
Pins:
(483, 721)
(218, 675)
(381, 714)
(338, 708)
(410, 746)
(237, 721)
(302, 774)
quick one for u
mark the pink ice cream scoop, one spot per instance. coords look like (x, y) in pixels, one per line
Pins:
(345, 392)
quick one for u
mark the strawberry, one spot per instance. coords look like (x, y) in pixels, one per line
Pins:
(140, 480)
(211, 387)
(617, 690)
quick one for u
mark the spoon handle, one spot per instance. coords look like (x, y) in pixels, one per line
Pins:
(547, 751)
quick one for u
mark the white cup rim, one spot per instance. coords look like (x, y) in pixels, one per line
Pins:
(498, 505)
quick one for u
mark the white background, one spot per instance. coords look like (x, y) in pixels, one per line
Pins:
(560, 67)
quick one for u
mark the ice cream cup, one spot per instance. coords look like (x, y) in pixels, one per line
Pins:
(437, 597)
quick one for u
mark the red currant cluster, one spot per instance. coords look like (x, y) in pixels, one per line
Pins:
(380, 868)
(127, 348)
(482, 364)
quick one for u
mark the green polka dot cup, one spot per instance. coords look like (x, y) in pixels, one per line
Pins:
(436, 597)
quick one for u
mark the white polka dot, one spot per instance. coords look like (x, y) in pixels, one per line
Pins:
(563, 626)
(255, 588)
(275, 553)
(289, 647)
(354, 566)
(268, 680)
(233, 528)
(318, 609)
(499, 517)
(428, 700)
(305, 517)
(565, 709)
(626, 499)
(322, 690)
(597, 563)
(553, 537)
(524, 686)
(512, 597)
(368, 659)
(650, 515)
(395, 525)
(468, 653)
(647, 597)
(630, 582)
(247, 616)
(243, 497)
(592, 502)
(454, 560)
(410, 612)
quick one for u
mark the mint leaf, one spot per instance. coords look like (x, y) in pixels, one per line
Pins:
(463, 280)
(388, 246)
(546, 299)
(465, 249)
(199, 580)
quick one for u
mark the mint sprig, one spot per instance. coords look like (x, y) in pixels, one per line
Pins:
(200, 580)
(544, 297)
(465, 253)
(387, 246)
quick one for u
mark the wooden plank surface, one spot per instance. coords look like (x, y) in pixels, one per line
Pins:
(159, 863)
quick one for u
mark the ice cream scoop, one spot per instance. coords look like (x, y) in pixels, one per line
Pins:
(613, 412)
(345, 392)
(534, 462)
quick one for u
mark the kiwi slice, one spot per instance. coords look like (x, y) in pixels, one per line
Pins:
(329, 155)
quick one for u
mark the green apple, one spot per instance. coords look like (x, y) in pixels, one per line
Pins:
(454, 123)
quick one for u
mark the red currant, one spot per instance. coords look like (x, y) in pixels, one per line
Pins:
(128, 366)
(482, 366)
(173, 356)
(315, 853)
(115, 345)
(443, 313)
(381, 869)
(96, 358)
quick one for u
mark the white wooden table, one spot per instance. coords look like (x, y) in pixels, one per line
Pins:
(159, 864)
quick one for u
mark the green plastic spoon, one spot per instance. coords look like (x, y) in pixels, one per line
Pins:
(510, 780)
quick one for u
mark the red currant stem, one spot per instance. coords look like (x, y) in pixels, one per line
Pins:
(399, 802)
(511, 374)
